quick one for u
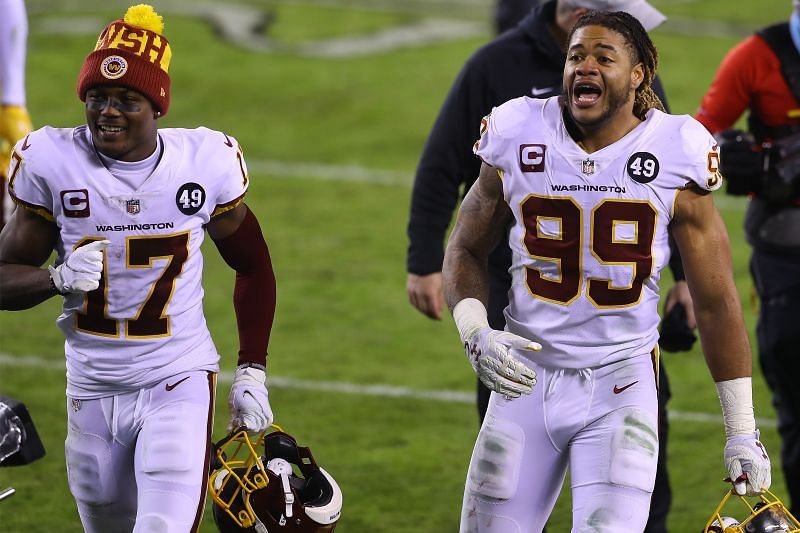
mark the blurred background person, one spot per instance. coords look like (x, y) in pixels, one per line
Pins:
(15, 123)
(762, 75)
(527, 60)
(508, 13)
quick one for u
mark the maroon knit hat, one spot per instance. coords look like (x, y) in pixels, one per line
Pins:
(131, 52)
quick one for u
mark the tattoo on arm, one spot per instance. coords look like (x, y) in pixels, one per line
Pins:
(482, 220)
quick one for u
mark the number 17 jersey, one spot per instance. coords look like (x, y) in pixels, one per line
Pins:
(145, 322)
(589, 237)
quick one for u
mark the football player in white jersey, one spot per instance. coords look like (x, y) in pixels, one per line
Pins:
(126, 207)
(583, 186)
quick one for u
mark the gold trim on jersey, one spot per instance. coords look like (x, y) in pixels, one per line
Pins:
(170, 258)
(39, 210)
(224, 208)
(240, 158)
(18, 161)
(608, 213)
(558, 261)
(632, 264)
(104, 286)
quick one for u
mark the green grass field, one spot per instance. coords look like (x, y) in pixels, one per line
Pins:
(332, 144)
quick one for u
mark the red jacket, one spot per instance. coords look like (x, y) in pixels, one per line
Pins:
(748, 77)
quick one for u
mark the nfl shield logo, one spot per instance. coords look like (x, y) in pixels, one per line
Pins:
(132, 206)
(587, 166)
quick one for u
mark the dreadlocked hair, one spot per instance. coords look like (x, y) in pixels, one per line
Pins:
(642, 48)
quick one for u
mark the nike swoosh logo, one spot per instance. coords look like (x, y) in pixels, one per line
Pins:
(170, 387)
(228, 141)
(536, 91)
(617, 390)
(25, 144)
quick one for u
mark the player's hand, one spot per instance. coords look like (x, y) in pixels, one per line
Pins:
(249, 401)
(748, 464)
(81, 271)
(15, 123)
(489, 352)
(426, 294)
(679, 294)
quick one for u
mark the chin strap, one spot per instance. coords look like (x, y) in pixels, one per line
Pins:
(283, 469)
(288, 495)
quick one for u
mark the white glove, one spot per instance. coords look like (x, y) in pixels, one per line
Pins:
(249, 401)
(488, 351)
(82, 269)
(748, 464)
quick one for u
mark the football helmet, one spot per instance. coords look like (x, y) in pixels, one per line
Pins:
(267, 483)
(768, 515)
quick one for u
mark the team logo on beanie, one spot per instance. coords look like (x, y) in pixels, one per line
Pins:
(113, 67)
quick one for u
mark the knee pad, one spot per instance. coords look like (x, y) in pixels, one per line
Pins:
(634, 449)
(88, 469)
(169, 446)
(496, 460)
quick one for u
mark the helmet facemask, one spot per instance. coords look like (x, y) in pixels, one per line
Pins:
(767, 515)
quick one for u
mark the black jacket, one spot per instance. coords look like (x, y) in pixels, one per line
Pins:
(524, 61)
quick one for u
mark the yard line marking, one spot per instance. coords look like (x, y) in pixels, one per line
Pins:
(319, 171)
(379, 391)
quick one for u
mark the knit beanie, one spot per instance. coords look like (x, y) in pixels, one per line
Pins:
(131, 52)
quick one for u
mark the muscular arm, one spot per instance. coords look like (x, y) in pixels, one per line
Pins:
(702, 239)
(481, 222)
(25, 244)
(238, 238)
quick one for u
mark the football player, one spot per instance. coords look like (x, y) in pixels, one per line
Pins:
(15, 122)
(584, 186)
(126, 207)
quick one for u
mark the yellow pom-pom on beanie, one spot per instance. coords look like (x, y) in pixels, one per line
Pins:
(144, 16)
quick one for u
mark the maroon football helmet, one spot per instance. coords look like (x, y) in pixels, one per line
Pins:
(268, 483)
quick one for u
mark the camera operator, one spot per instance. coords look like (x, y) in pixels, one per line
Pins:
(762, 75)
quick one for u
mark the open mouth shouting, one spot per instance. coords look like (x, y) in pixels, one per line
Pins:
(585, 94)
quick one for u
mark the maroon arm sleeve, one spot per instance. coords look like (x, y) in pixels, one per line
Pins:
(245, 251)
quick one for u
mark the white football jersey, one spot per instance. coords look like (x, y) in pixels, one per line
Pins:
(145, 322)
(590, 230)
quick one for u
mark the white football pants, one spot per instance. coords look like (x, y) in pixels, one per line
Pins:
(600, 422)
(139, 461)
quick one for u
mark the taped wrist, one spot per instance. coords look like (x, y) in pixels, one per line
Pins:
(251, 372)
(470, 316)
(736, 399)
(252, 365)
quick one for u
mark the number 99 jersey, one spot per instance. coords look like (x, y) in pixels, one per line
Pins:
(590, 233)
(145, 322)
